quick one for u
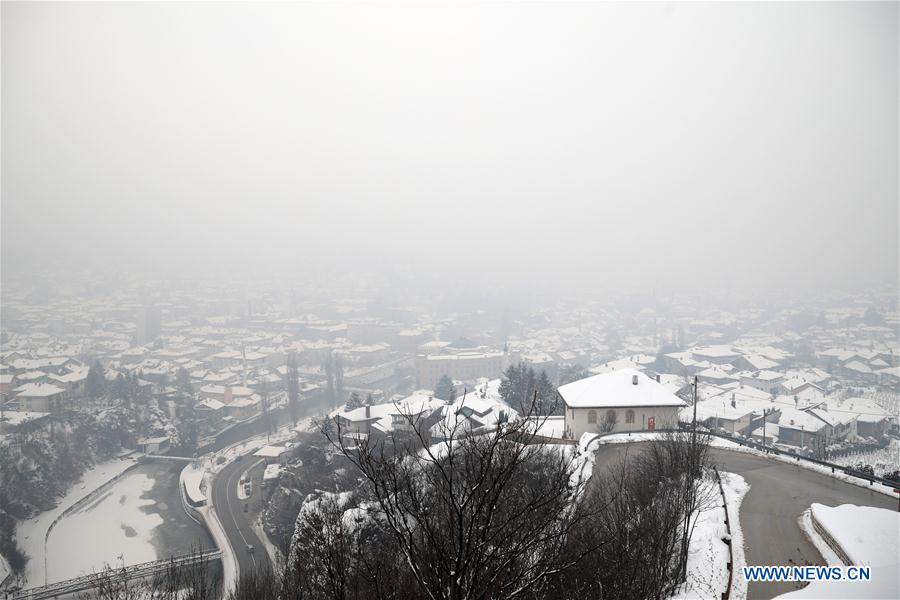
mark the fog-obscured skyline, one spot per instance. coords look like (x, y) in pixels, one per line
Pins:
(583, 145)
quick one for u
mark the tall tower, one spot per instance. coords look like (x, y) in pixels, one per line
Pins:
(149, 324)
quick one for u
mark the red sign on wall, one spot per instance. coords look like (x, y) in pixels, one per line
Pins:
(651, 422)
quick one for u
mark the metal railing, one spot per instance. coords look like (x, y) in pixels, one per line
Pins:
(771, 450)
(137, 571)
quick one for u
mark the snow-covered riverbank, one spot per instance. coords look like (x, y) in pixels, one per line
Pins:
(31, 534)
(136, 518)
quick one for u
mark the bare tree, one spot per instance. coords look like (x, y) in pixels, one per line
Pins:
(479, 514)
(652, 497)
(198, 580)
(608, 424)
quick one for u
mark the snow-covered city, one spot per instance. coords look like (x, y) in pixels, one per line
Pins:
(479, 301)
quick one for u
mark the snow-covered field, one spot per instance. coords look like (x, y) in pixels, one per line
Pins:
(885, 460)
(30, 534)
(868, 536)
(708, 554)
(109, 530)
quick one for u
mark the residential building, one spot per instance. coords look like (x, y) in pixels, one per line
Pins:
(623, 400)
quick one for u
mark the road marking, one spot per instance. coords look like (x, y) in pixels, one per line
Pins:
(228, 482)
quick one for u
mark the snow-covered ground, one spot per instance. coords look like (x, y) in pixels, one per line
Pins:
(736, 487)
(30, 534)
(876, 487)
(591, 439)
(868, 536)
(884, 460)
(4, 569)
(109, 530)
(708, 554)
(211, 464)
(192, 480)
(549, 427)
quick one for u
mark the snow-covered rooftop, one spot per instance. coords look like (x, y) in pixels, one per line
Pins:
(618, 388)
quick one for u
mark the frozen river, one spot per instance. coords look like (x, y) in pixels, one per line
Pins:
(136, 519)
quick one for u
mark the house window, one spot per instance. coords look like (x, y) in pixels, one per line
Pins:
(592, 417)
(611, 416)
(629, 416)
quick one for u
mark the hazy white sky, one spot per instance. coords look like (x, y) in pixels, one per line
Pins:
(605, 144)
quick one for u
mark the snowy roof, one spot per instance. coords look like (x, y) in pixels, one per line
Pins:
(858, 366)
(617, 389)
(763, 375)
(796, 383)
(791, 418)
(38, 390)
(414, 405)
(714, 352)
(154, 440)
(271, 451)
(715, 372)
(272, 472)
(17, 417)
(211, 404)
(760, 362)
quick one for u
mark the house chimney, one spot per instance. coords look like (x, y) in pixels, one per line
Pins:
(634, 380)
(368, 411)
(657, 378)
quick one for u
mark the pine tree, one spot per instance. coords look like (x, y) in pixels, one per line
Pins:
(339, 379)
(572, 373)
(354, 401)
(95, 385)
(292, 385)
(183, 382)
(546, 396)
(445, 390)
(328, 367)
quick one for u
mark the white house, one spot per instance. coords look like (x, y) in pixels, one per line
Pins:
(624, 400)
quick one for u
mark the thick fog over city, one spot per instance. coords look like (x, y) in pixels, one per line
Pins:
(671, 144)
(449, 300)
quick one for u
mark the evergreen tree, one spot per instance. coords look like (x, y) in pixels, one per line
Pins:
(521, 386)
(293, 388)
(369, 400)
(517, 386)
(445, 390)
(873, 317)
(183, 382)
(354, 401)
(120, 389)
(660, 366)
(546, 396)
(328, 367)
(339, 378)
(572, 373)
(95, 385)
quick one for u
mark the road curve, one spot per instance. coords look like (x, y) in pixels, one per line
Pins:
(779, 493)
(235, 522)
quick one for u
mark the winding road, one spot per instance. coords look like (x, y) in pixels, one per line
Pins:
(230, 507)
(779, 493)
(237, 523)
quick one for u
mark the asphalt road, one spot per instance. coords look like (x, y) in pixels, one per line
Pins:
(236, 522)
(230, 508)
(779, 493)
